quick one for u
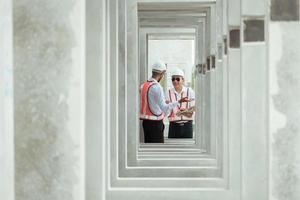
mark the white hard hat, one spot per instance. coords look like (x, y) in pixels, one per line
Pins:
(178, 72)
(159, 66)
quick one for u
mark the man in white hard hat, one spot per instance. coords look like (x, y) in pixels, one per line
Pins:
(181, 117)
(153, 105)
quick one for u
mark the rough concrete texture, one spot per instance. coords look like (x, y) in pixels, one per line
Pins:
(283, 10)
(284, 110)
(46, 157)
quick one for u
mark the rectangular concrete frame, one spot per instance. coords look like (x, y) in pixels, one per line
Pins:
(124, 169)
(143, 34)
(98, 151)
(157, 153)
(207, 130)
(141, 162)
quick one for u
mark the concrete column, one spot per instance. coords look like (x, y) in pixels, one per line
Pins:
(254, 100)
(284, 98)
(233, 78)
(96, 77)
(49, 99)
(6, 103)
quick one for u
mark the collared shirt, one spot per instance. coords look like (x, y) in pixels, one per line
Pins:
(157, 101)
(191, 96)
(178, 95)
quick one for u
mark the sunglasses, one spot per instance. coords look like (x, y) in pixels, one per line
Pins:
(177, 79)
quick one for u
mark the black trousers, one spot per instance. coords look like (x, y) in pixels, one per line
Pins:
(181, 130)
(153, 131)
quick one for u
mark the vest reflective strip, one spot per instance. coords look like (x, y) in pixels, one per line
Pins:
(173, 117)
(151, 117)
(145, 112)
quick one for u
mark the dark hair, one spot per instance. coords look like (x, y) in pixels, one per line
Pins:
(155, 74)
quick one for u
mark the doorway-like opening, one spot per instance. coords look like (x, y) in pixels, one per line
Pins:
(177, 50)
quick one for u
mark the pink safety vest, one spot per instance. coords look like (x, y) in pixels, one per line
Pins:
(145, 112)
(173, 98)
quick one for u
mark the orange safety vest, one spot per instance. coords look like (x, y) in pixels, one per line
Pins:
(146, 112)
(173, 98)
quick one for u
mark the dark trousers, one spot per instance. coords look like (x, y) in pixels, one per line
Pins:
(153, 131)
(181, 130)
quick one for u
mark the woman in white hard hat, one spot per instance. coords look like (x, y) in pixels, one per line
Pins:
(181, 117)
(154, 106)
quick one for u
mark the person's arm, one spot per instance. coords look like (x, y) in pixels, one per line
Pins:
(190, 111)
(166, 108)
(158, 93)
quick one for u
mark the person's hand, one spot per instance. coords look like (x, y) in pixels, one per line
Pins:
(187, 114)
(185, 99)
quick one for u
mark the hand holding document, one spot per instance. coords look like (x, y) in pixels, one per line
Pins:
(184, 99)
(186, 112)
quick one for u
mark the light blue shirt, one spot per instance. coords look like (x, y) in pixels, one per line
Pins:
(191, 95)
(157, 101)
